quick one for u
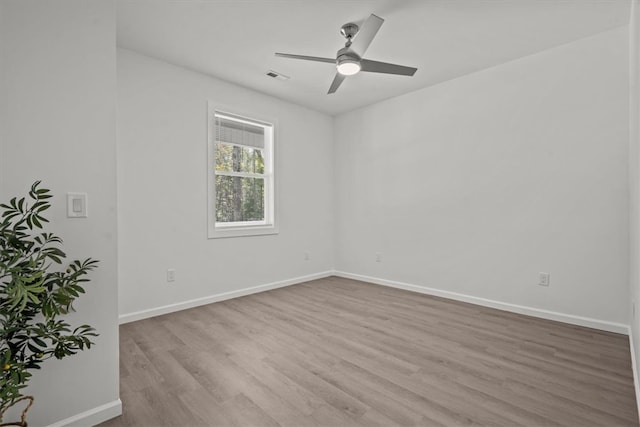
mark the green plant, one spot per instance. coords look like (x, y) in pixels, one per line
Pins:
(36, 291)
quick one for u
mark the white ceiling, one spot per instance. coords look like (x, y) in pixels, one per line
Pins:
(235, 40)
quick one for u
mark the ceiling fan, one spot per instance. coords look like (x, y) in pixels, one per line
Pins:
(349, 60)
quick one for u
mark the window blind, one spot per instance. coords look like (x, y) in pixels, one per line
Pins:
(238, 132)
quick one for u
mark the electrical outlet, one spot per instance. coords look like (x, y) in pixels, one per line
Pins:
(378, 257)
(544, 279)
(306, 256)
(171, 275)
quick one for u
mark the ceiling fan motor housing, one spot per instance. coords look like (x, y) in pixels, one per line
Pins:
(346, 54)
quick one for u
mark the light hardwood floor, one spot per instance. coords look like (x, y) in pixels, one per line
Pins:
(338, 352)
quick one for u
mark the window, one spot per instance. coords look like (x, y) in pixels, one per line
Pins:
(241, 182)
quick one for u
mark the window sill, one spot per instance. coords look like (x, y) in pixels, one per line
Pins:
(222, 232)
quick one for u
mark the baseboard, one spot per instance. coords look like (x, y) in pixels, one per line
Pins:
(93, 416)
(529, 311)
(158, 311)
(514, 308)
(634, 368)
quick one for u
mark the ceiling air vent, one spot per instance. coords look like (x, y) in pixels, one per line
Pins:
(277, 75)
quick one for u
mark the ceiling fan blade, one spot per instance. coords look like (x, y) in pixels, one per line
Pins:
(384, 67)
(307, 58)
(365, 35)
(337, 81)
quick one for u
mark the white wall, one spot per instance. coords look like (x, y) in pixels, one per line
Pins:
(57, 124)
(162, 183)
(476, 185)
(634, 183)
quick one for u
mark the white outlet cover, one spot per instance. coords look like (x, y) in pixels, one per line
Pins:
(544, 279)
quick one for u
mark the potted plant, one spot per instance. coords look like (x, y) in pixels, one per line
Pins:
(36, 292)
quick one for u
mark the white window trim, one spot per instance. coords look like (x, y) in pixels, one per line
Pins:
(248, 228)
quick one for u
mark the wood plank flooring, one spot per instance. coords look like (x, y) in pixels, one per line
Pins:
(338, 352)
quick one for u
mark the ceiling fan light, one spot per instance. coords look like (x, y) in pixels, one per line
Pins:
(348, 67)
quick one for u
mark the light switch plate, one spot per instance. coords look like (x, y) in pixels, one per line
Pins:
(77, 205)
